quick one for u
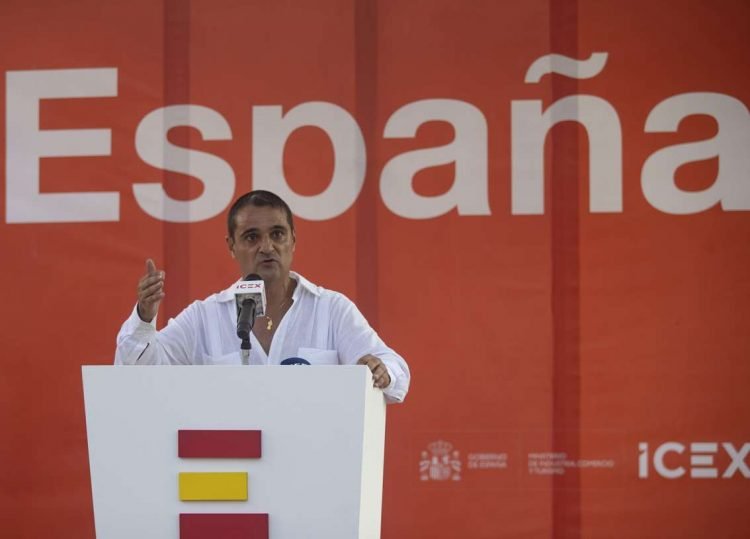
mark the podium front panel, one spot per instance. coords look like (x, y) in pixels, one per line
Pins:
(319, 473)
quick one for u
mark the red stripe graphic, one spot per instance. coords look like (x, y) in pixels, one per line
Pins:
(223, 526)
(220, 444)
(564, 182)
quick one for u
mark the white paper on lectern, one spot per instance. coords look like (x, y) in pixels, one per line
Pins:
(320, 474)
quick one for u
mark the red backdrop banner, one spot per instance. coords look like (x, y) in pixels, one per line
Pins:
(542, 205)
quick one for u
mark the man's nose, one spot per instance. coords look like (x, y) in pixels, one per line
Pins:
(266, 245)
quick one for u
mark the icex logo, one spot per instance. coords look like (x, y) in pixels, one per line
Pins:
(701, 460)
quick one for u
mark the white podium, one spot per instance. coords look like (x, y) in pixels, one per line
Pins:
(319, 474)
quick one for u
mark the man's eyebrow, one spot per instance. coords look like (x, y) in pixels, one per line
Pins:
(256, 229)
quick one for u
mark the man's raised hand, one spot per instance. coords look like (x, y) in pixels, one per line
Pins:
(150, 292)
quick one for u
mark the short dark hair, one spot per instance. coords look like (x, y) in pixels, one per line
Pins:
(258, 199)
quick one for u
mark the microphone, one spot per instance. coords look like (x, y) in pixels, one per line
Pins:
(250, 300)
(246, 318)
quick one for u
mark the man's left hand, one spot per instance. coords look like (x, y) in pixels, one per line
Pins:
(381, 378)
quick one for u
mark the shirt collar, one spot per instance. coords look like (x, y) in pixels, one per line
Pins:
(302, 284)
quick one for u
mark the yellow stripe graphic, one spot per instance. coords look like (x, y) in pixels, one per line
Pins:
(213, 486)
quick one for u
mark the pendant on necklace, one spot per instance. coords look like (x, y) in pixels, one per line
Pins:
(270, 323)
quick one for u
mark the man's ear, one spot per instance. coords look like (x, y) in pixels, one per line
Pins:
(230, 245)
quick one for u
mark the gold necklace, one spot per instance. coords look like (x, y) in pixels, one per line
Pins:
(270, 320)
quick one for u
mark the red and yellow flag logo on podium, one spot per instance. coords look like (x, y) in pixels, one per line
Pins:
(219, 486)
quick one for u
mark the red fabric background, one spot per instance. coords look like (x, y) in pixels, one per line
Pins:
(568, 331)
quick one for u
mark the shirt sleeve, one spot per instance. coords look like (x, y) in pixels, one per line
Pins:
(355, 338)
(138, 342)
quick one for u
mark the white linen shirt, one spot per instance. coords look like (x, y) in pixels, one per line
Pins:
(321, 326)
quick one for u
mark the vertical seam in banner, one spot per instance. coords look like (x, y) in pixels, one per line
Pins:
(365, 82)
(564, 209)
(176, 235)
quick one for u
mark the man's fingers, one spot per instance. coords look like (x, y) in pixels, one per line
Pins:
(380, 375)
(158, 296)
(152, 274)
(150, 290)
(369, 360)
(149, 280)
(148, 286)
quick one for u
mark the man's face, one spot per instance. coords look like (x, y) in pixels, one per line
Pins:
(262, 243)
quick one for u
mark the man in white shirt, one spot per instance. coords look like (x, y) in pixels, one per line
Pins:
(301, 320)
